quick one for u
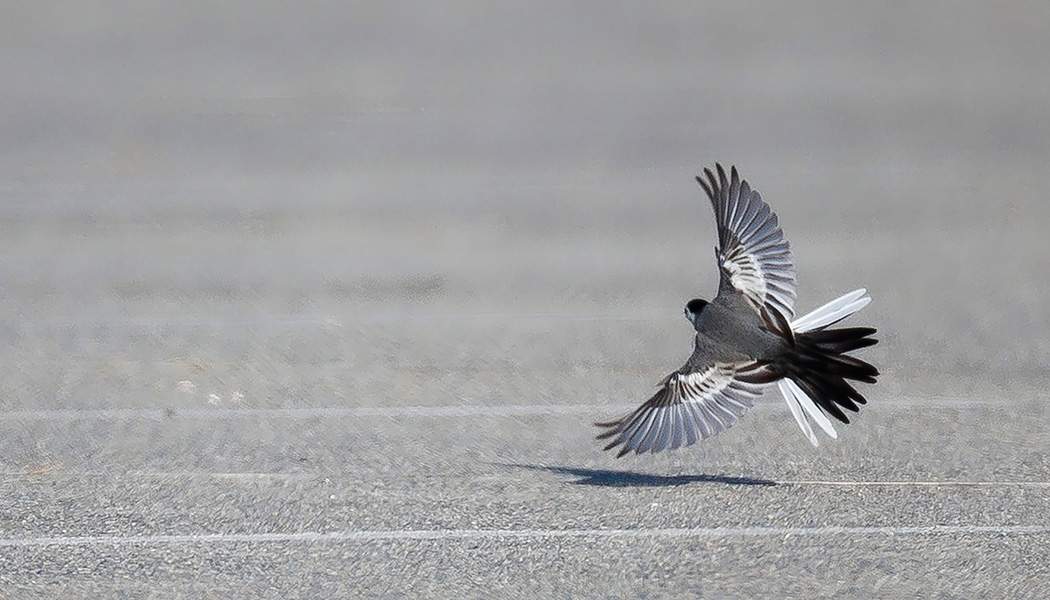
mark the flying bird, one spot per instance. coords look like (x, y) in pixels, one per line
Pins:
(748, 339)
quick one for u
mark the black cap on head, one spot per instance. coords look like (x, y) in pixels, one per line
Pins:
(694, 306)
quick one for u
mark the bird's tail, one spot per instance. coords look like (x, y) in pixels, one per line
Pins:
(819, 365)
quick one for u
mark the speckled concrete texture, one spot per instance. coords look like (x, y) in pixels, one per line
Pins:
(321, 300)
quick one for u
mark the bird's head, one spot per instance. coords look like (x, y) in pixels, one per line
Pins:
(693, 308)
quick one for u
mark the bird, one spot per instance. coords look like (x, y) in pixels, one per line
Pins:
(748, 339)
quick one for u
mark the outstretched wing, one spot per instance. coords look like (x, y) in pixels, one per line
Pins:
(694, 403)
(753, 257)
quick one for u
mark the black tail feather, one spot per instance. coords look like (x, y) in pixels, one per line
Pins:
(829, 402)
(840, 341)
(820, 366)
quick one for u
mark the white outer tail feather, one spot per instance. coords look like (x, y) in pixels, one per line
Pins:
(795, 404)
(797, 400)
(832, 312)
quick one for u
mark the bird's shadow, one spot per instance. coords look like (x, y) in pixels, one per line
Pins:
(610, 478)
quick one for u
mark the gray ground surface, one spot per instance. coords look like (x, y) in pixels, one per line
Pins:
(321, 302)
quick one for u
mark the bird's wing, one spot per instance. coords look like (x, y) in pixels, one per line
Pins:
(754, 259)
(700, 400)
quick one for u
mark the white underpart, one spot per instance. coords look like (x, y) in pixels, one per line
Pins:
(797, 400)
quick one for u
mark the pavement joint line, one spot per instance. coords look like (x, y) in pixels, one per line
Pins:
(19, 475)
(818, 483)
(333, 321)
(469, 411)
(497, 534)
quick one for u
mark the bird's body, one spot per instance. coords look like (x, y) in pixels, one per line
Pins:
(746, 339)
(727, 322)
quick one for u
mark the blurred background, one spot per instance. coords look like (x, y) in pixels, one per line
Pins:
(247, 206)
(324, 160)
